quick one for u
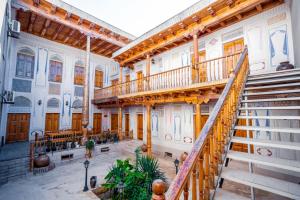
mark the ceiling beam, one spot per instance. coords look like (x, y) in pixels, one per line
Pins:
(97, 45)
(32, 20)
(106, 53)
(60, 28)
(79, 39)
(46, 26)
(71, 33)
(60, 19)
(104, 49)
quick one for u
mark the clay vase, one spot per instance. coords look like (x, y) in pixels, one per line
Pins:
(144, 148)
(93, 181)
(41, 161)
(285, 66)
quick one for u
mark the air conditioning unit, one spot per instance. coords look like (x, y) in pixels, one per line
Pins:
(8, 97)
(14, 28)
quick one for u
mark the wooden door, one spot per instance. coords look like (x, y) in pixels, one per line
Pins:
(97, 123)
(140, 85)
(232, 48)
(127, 77)
(52, 122)
(114, 83)
(127, 126)
(114, 122)
(77, 121)
(140, 130)
(198, 72)
(18, 126)
(203, 121)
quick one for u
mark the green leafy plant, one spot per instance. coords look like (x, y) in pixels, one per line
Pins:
(90, 145)
(136, 179)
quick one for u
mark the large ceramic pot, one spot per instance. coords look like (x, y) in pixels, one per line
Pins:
(93, 181)
(144, 148)
(41, 161)
(285, 66)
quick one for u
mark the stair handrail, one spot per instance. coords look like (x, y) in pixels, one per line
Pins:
(206, 152)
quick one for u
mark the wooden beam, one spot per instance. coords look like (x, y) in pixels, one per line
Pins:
(111, 51)
(71, 33)
(32, 20)
(60, 19)
(98, 45)
(79, 21)
(79, 39)
(230, 3)
(259, 8)
(67, 15)
(104, 49)
(53, 9)
(46, 25)
(60, 28)
(222, 24)
(211, 11)
(239, 16)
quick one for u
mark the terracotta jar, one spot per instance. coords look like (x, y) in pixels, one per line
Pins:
(285, 66)
(41, 161)
(144, 148)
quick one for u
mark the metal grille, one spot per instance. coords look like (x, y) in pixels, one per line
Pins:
(53, 103)
(21, 101)
(54, 88)
(78, 91)
(21, 85)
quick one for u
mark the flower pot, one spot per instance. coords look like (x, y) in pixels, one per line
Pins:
(285, 66)
(93, 181)
(41, 161)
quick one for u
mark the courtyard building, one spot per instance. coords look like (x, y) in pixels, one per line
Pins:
(209, 81)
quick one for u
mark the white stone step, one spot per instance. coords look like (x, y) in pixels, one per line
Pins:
(275, 81)
(222, 194)
(269, 129)
(277, 75)
(273, 86)
(282, 117)
(273, 185)
(272, 92)
(291, 165)
(267, 143)
(272, 108)
(274, 73)
(272, 100)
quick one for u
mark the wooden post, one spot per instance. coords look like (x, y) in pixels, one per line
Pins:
(198, 121)
(158, 190)
(149, 143)
(196, 57)
(120, 80)
(148, 65)
(120, 124)
(85, 109)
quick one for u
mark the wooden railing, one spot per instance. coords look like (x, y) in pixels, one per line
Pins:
(206, 154)
(207, 71)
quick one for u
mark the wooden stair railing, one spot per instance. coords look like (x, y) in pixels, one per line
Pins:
(206, 155)
(206, 71)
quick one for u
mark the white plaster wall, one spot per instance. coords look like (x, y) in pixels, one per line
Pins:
(295, 15)
(40, 84)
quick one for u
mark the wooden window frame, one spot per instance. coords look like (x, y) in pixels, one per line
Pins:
(98, 83)
(58, 77)
(78, 77)
(24, 67)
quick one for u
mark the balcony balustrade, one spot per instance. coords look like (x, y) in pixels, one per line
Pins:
(203, 72)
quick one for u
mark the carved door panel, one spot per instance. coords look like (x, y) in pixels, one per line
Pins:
(18, 126)
(52, 122)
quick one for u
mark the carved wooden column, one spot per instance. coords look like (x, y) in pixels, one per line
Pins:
(195, 73)
(149, 143)
(198, 121)
(85, 109)
(120, 80)
(148, 65)
(120, 124)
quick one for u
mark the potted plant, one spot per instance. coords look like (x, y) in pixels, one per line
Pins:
(89, 145)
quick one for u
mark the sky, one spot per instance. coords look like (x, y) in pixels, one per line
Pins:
(133, 16)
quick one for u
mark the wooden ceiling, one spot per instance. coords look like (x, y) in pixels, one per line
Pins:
(43, 19)
(218, 15)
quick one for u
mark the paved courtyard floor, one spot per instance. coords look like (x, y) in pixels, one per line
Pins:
(66, 181)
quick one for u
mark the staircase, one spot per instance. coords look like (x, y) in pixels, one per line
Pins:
(270, 109)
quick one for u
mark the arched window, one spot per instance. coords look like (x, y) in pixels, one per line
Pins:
(79, 73)
(55, 69)
(53, 103)
(98, 78)
(77, 104)
(21, 101)
(25, 63)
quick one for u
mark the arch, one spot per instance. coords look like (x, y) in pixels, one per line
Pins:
(79, 63)
(21, 101)
(53, 103)
(77, 104)
(27, 51)
(57, 58)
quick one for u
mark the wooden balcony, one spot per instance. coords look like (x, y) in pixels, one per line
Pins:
(210, 74)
